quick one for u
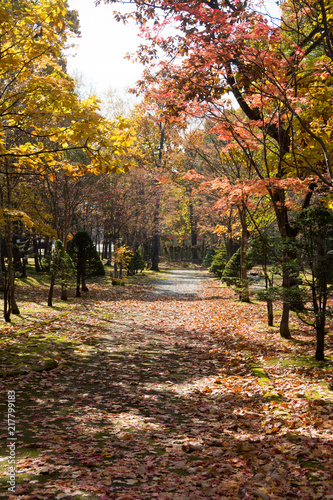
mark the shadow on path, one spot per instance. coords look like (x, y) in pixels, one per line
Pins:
(152, 408)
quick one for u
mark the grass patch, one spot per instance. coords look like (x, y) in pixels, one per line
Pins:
(302, 361)
(33, 278)
(259, 372)
(28, 350)
(180, 472)
(264, 382)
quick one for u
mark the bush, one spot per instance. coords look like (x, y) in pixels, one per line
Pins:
(219, 261)
(231, 273)
(97, 267)
(135, 264)
(84, 254)
(209, 255)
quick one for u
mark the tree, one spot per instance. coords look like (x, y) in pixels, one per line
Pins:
(41, 118)
(219, 261)
(315, 243)
(135, 264)
(157, 150)
(60, 264)
(86, 259)
(231, 48)
(231, 272)
(233, 194)
(122, 259)
(153, 152)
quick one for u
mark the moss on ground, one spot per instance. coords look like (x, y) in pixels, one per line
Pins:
(303, 361)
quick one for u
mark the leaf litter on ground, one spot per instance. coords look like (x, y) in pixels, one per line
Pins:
(168, 391)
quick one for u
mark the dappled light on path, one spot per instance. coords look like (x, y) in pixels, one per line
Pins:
(160, 399)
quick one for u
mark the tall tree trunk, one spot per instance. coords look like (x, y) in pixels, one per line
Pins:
(194, 231)
(6, 301)
(78, 282)
(2, 277)
(16, 256)
(64, 276)
(83, 277)
(156, 234)
(229, 243)
(278, 199)
(270, 316)
(245, 295)
(13, 308)
(25, 258)
(284, 324)
(320, 338)
(51, 289)
(319, 306)
(47, 253)
(115, 270)
(67, 216)
(269, 301)
(110, 251)
(38, 267)
(194, 242)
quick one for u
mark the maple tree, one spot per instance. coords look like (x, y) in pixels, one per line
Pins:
(231, 193)
(206, 159)
(42, 120)
(154, 132)
(197, 223)
(156, 151)
(168, 387)
(275, 73)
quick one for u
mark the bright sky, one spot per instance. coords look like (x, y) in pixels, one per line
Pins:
(102, 47)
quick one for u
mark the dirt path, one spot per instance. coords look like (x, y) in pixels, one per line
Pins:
(152, 404)
(183, 282)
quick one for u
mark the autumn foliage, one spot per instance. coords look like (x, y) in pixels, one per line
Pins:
(166, 387)
(261, 76)
(179, 384)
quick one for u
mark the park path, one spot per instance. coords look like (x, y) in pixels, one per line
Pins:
(184, 282)
(151, 403)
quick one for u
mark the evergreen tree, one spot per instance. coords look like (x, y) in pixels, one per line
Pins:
(219, 261)
(316, 261)
(86, 259)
